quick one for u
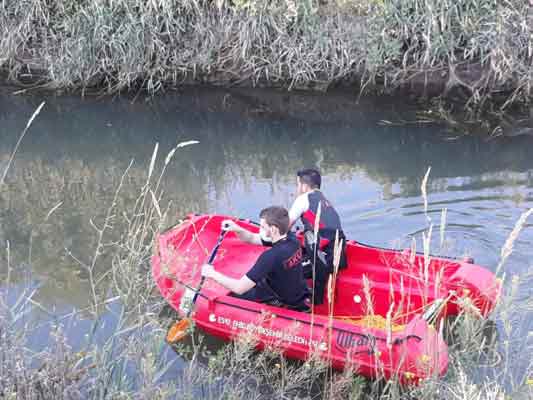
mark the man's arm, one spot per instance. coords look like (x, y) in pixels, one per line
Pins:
(249, 237)
(300, 205)
(238, 286)
(262, 267)
(243, 234)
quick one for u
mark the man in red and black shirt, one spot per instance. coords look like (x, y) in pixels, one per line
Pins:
(306, 208)
(277, 275)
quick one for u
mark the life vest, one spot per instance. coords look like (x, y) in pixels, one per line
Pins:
(329, 219)
(328, 226)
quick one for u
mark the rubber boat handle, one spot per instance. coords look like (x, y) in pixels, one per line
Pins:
(209, 261)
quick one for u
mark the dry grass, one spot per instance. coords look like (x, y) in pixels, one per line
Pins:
(482, 48)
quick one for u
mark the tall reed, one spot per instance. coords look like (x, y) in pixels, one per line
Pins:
(481, 48)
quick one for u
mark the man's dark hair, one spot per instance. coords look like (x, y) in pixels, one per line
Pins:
(311, 177)
(276, 216)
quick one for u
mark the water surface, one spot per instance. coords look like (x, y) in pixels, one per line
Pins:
(73, 158)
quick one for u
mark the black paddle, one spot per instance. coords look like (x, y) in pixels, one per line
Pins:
(209, 261)
(179, 330)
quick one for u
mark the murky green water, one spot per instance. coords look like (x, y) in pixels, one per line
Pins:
(73, 158)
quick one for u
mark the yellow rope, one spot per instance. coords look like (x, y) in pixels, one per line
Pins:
(395, 317)
(372, 321)
(380, 322)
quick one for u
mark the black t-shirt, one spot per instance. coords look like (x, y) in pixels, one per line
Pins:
(280, 267)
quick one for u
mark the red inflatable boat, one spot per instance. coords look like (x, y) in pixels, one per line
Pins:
(374, 321)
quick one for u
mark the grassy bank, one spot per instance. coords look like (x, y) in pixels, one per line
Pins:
(479, 48)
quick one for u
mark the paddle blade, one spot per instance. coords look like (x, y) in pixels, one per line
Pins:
(178, 331)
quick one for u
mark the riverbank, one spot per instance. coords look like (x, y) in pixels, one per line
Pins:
(477, 51)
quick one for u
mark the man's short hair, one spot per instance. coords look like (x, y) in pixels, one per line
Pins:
(276, 216)
(311, 177)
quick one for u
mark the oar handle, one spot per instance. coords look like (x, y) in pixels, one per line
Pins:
(215, 249)
(209, 261)
(197, 293)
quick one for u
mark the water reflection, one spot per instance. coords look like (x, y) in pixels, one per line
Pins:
(250, 147)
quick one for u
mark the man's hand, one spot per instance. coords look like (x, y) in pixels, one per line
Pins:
(207, 270)
(230, 226)
(242, 233)
(238, 286)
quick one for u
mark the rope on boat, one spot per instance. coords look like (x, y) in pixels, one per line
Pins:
(196, 236)
(372, 321)
(379, 322)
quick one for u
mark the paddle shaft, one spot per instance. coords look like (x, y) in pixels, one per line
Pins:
(209, 261)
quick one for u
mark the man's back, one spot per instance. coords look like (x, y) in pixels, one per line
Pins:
(280, 269)
(306, 206)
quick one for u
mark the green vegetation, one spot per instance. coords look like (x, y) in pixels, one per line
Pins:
(479, 49)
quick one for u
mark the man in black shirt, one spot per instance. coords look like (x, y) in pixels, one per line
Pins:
(277, 276)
